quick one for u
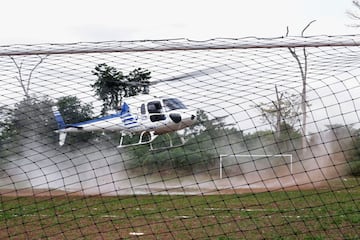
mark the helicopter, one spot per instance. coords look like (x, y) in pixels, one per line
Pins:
(154, 116)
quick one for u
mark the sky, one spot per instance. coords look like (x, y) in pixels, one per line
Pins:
(69, 21)
(73, 21)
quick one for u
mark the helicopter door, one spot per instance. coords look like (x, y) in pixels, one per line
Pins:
(143, 112)
(155, 111)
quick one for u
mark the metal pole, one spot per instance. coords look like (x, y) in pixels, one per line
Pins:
(178, 45)
(220, 168)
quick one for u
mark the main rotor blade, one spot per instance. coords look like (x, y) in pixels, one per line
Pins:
(193, 74)
(184, 76)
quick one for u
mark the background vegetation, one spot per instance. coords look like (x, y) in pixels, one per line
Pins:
(32, 120)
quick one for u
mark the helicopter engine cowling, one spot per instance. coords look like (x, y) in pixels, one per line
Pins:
(175, 117)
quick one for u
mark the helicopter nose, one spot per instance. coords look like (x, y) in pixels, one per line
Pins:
(175, 117)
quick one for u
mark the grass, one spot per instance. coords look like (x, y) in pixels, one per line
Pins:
(313, 214)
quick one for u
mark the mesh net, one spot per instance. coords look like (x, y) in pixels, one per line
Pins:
(274, 151)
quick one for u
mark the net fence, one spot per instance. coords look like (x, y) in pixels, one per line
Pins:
(271, 151)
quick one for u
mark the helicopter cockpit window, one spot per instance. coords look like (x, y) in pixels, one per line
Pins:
(155, 111)
(154, 107)
(173, 104)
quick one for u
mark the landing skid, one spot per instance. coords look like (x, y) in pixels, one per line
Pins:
(142, 141)
(171, 145)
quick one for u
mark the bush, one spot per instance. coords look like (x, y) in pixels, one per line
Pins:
(195, 154)
(355, 159)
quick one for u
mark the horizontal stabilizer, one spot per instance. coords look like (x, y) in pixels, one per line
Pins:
(74, 126)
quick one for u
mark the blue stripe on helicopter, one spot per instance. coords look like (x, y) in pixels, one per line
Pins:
(128, 119)
(130, 125)
(94, 120)
(124, 115)
(132, 120)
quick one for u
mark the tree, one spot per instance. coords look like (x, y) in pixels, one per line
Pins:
(34, 120)
(112, 85)
(6, 123)
(282, 113)
(199, 152)
(109, 86)
(138, 81)
(73, 110)
(343, 143)
(303, 67)
(204, 123)
(25, 82)
(31, 117)
(355, 14)
(355, 160)
(7, 130)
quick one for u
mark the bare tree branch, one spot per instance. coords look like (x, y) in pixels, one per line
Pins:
(25, 83)
(278, 107)
(354, 15)
(303, 67)
(20, 78)
(302, 32)
(33, 69)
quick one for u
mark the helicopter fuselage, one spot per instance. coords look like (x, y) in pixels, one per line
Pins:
(157, 116)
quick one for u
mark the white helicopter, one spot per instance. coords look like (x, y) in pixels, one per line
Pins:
(154, 117)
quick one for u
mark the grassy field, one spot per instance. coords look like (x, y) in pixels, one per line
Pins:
(332, 213)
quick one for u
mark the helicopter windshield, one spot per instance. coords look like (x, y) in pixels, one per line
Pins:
(173, 104)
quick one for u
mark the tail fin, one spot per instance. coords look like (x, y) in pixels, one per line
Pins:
(125, 109)
(58, 118)
(61, 125)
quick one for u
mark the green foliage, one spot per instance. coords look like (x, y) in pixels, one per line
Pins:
(198, 153)
(138, 81)
(284, 112)
(33, 117)
(109, 86)
(213, 127)
(289, 138)
(347, 141)
(112, 85)
(355, 160)
(281, 114)
(74, 111)
(193, 155)
(7, 130)
(302, 214)
(6, 124)
(30, 121)
(266, 142)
